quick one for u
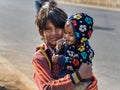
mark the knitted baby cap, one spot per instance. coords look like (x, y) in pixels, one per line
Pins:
(82, 25)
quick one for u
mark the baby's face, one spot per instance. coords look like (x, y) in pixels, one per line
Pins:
(69, 34)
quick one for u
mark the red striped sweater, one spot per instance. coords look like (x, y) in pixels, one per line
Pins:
(45, 78)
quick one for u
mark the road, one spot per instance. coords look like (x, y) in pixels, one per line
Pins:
(19, 36)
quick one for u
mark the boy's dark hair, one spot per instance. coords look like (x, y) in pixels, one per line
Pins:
(51, 12)
(51, 2)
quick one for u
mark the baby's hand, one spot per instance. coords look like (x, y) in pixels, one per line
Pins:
(55, 58)
(59, 44)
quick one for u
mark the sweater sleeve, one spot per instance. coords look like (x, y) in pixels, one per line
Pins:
(43, 76)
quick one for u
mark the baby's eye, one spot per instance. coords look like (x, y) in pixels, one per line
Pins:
(64, 32)
(72, 35)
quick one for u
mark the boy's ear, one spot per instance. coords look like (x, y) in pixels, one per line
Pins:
(41, 32)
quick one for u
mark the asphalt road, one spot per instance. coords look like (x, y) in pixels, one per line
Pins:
(19, 36)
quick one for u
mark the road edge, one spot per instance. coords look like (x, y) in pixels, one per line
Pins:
(90, 6)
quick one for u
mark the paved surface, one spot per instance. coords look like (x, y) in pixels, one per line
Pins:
(19, 36)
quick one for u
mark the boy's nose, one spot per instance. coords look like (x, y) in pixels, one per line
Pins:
(53, 32)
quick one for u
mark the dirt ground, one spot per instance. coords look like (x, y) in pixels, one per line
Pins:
(9, 81)
(12, 79)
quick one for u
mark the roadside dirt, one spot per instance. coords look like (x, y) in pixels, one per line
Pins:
(12, 79)
(9, 81)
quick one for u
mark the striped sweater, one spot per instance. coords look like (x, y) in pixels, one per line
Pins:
(45, 75)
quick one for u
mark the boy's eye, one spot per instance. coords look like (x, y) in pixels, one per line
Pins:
(47, 28)
(58, 29)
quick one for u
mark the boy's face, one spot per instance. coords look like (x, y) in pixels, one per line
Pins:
(51, 34)
(69, 34)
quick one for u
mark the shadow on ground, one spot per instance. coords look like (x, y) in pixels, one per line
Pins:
(103, 28)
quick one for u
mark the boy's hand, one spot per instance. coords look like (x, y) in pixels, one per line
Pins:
(85, 70)
(93, 85)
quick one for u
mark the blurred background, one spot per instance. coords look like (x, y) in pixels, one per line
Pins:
(19, 37)
(104, 3)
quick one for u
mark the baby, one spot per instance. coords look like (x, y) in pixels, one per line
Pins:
(75, 49)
